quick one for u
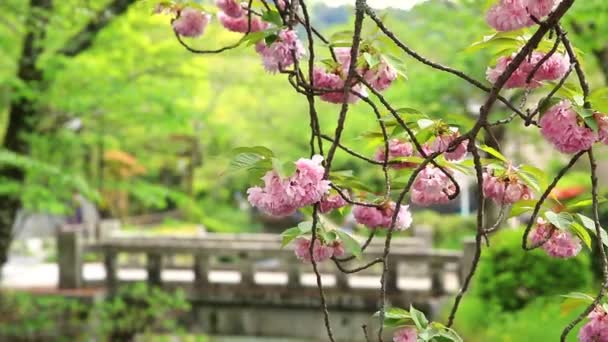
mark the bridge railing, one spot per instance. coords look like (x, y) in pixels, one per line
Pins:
(255, 261)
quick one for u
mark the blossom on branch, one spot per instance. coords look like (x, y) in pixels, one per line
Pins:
(596, 329)
(331, 202)
(509, 15)
(191, 22)
(552, 69)
(373, 217)
(442, 143)
(564, 128)
(241, 24)
(283, 196)
(231, 8)
(397, 149)
(557, 243)
(506, 188)
(320, 251)
(432, 186)
(280, 53)
(406, 335)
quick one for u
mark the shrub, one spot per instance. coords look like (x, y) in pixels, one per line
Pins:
(137, 309)
(511, 277)
(27, 317)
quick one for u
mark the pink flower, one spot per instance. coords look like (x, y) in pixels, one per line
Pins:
(602, 122)
(405, 335)
(596, 329)
(554, 68)
(282, 197)
(333, 81)
(561, 126)
(375, 218)
(381, 76)
(231, 8)
(338, 247)
(241, 23)
(280, 54)
(397, 148)
(442, 142)
(432, 186)
(329, 203)
(320, 251)
(556, 243)
(368, 216)
(191, 22)
(509, 15)
(540, 8)
(506, 189)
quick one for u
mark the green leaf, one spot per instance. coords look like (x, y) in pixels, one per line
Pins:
(289, 235)
(585, 203)
(599, 99)
(539, 176)
(582, 233)
(590, 225)
(350, 244)
(342, 36)
(522, 207)
(395, 313)
(573, 301)
(559, 220)
(272, 17)
(419, 318)
(493, 152)
(261, 150)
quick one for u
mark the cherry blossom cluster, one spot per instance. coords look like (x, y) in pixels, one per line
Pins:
(563, 127)
(373, 217)
(283, 196)
(432, 186)
(331, 202)
(505, 188)
(509, 15)
(555, 242)
(281, 53)
(408, 334)
(333, 76)
(320, 251)
(552, 68)
(596, 329)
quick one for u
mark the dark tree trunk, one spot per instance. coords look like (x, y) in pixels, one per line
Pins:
(21, 114)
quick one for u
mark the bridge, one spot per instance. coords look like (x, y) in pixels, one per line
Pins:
(246, 284)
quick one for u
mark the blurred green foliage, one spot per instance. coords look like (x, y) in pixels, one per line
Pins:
(135, 309)
(448, 229)
(510, 277)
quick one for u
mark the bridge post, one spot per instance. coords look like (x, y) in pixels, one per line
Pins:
(468, 254)
(69, 256)
(293, 272)
(342, 280)
(153, 266)
(425, 233)
(437, 286)
(246, 269)
(110, 263)
(201, 267)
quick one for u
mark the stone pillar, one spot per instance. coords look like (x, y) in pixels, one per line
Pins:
(69, 256)
(293, 272)
(201, 269)
(105, 228)
(468, 254)
(437, 272)
(246, 268)
(154, 267)
(110, 263)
